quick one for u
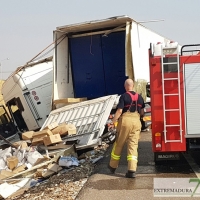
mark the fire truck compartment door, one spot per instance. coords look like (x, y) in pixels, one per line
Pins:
(192, 98)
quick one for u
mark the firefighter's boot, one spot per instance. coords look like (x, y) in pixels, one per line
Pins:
(112, 170)
(130, 174)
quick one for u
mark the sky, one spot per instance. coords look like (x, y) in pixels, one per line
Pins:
(26, 26)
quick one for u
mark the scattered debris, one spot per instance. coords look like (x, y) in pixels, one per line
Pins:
(68, 161)
(7, 189)
(52, 139)
(51, 134)
(30, 174)
(43, 166)
(27, 135)
(94, 160)
(65, 129)
(12, 162)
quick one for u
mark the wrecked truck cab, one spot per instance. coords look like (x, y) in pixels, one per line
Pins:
(7, 127)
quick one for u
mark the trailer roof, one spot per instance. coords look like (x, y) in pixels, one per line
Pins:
(47, 59)
(95, 24)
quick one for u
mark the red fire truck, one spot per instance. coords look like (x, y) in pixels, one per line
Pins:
(175, 98)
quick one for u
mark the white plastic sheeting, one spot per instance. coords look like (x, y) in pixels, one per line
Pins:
(8, 189)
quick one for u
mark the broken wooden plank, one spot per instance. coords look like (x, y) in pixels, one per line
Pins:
(58, 103)
(55, 147)
(69, 100)
(29, 171)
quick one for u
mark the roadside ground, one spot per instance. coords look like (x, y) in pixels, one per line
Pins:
(103, 185)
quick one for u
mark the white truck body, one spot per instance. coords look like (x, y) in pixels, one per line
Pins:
(133, 54)
(92, 60)
(30, 89)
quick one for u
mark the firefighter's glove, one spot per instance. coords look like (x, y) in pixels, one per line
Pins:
(111, 127)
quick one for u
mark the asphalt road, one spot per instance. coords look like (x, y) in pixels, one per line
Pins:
(104, 186)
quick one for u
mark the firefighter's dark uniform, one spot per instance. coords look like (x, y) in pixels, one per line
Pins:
(128, 130)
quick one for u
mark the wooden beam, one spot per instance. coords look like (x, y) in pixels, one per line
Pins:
(69, 100)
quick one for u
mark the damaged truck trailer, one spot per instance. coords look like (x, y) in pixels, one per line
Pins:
(93, 59)
(28, 94)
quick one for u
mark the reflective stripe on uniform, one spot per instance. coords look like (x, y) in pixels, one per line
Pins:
(114, 156)
(130, 157)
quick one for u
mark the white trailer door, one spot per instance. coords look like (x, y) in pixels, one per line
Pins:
(89, 117)
(192, 99)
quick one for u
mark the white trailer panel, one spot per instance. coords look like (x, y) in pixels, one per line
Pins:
(141, 37)
(89, 117)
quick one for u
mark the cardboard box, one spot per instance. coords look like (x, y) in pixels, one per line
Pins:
(5, 173)
(39, 135)
(42, 133)
(40, 160)
(71, 129)
(54, 167)
(19, 169)
(64, 129)
(48, 173)
(52, 126)
(38, 173)
(51, 169)
(52, 139)
(61, 129)
(37, 140)
(35, 158)
(12, 162)
(27, 135)
(21, 144)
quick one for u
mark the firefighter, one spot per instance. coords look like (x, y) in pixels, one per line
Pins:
(129, 110)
